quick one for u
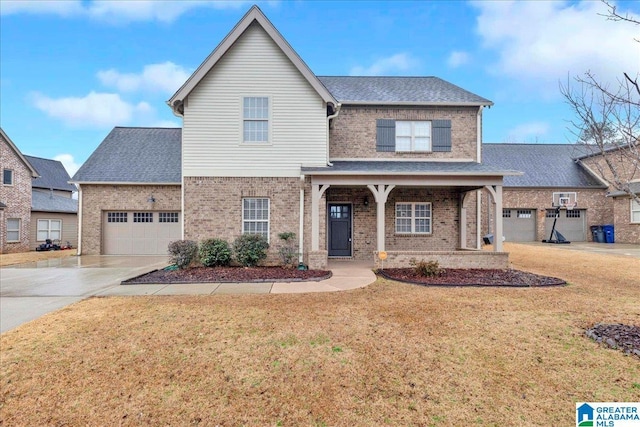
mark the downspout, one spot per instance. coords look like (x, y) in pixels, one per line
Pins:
(301, 229)
(332, 116)
(479, 135)
(79, 252)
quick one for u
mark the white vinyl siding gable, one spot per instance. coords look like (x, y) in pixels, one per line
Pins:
(212, 136)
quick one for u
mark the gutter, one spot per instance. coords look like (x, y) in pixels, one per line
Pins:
(479, 135)
(332, 116)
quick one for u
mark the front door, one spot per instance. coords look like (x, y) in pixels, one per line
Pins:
(339, 230)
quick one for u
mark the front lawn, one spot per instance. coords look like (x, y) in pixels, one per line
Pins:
(388, 354)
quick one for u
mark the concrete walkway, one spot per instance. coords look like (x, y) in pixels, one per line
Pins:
(345, 275)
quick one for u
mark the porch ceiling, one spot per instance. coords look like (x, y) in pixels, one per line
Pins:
(409, 168)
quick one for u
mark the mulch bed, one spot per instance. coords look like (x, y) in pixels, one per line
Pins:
(229, 274)
(617, 336)
(472, 277)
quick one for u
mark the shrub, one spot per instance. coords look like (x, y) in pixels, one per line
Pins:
(288, 250)
(250, 249)
(183, 252)
(427, 268)
(215, 253)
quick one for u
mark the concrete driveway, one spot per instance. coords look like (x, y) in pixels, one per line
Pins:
(621, 249)
(28, 291)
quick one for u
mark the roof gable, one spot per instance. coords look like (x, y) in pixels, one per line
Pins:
(53, 175)
(17, 152)
(135, 156)
(253, 15)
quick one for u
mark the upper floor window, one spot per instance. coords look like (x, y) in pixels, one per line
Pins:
(255, 115)
(7, 177)
(413, 136)
(635, 212)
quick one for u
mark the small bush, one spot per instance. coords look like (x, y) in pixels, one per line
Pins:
(183, 252)
(250, 249)
(288, 250)
(427, 268)
(215, 253)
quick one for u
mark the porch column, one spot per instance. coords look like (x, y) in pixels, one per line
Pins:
(317, 191)
(463, 221)
(496, 195)
(380, 193)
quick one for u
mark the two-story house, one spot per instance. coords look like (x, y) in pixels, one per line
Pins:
(15, 197)
(355, 166)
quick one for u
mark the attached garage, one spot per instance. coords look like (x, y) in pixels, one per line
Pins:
(139, 233)
(572, 224)
(519, 225)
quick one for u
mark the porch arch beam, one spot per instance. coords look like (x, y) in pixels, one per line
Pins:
(380, 193)
(317, 191)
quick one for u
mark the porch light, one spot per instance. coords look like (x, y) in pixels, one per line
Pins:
(151, 199)
(366, 200)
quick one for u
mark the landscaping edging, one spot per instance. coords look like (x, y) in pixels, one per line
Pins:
(550, 281)
(132, 281)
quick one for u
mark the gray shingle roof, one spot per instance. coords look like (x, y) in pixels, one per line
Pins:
(52, 174)
(47, 202)
(135, 155)
(405, 90)
(543, 165)
(407, 168)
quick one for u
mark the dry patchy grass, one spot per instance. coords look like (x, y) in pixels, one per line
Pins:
(388, 354)
(24, 257)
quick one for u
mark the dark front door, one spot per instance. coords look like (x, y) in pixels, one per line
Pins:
(339, 230)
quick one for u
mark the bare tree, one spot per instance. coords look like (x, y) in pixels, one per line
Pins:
(607, 121)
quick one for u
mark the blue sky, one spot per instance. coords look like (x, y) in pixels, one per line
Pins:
(72, 70)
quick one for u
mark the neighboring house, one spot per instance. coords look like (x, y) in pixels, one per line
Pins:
(15, 197)
(54, 211)
(549, 170)
(354, 166)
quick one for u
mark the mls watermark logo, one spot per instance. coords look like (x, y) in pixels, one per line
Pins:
(607, 414)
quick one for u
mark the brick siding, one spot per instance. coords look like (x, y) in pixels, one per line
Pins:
(17, 197)
(625, 231)
(96, 199)
(353, 133)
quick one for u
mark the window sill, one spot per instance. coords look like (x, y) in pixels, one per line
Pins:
(412, 234)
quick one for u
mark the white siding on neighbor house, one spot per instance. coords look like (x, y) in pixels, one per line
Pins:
(212, 130)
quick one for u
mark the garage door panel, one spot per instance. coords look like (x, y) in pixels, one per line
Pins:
(571, 224)
(519, 225)
(145, 235)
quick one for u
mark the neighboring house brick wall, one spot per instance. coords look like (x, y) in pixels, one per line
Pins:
(99, 198)
(621, 161)
(625, 231)
(599, 208)
(353, 133)
(17, 197)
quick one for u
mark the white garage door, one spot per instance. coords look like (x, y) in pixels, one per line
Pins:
(519, 225)
(139, 233)
(572, 224)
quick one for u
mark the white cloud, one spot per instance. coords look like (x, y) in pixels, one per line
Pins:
(528, 132)
(166, 77)
(400, 63)
(102, 110)
(542, 42)
(68, 162)
(458, 58)
(117, 11)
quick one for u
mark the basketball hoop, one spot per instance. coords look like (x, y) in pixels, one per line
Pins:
(570, 206)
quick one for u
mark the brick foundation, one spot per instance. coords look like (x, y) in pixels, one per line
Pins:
(447, 259)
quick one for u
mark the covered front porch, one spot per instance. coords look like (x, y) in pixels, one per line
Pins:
(424, 211)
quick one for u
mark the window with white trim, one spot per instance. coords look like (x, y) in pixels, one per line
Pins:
(116, 217)
(13, 230)
(635, 212)
(49, 229)
(255, 115)
(413, 218)
(168, 217)
(255, 216)
(7, 177)
(143, 217)
(524, 213)
(506, 213)
(413, 136)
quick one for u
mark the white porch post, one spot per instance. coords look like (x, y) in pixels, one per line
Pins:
(496, 194)
(463, 221)
(380, 193)
(316, 194)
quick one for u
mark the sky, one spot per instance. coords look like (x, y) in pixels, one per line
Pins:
(72, 70)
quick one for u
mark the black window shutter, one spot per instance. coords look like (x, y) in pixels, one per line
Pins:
(385, 135)
(441, 135)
